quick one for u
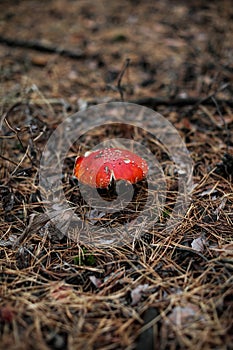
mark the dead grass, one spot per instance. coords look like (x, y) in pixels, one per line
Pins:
(59, 294)
(164, 291)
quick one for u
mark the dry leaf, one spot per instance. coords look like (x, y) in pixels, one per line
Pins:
(198, 244)
(96, 281)
(136, 293)
(180, 315)
(220, 207)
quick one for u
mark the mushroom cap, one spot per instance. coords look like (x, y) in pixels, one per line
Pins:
(98, 168)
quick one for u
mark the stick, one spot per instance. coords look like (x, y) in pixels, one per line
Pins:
(35, 45)
(179, 102)
(119, 79)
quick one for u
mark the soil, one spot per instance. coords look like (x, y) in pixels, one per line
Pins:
(167, 289)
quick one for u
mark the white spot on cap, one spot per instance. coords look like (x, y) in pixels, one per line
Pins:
(87, 153)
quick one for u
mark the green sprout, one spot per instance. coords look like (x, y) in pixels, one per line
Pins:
(85, 258)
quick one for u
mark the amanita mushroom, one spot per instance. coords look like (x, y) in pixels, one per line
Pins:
(100, 168)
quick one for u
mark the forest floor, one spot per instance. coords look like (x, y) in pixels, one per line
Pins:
(167, 289)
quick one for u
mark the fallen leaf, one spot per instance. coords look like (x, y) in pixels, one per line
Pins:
(198, 244)
(220, 207)
(180, 315)
(136, 293)
(96, 281)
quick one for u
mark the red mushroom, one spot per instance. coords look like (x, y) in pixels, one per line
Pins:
(99, 168)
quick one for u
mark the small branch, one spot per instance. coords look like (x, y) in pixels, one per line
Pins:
(8, 160)
(120, 76)
(5, 115)
(190, 101)
(211, 95)
(35, 223)
(179, 102)
(21, 143)
(35, 45)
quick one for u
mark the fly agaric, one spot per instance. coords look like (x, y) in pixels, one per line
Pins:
(100, 168)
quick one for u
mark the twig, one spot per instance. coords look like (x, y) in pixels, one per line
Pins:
(5, 115)
(179, 102)
(120, 76)
(8, 160)
(35, 223)
(21, 144)
(35, 45)
(21, 161)
(210, 96)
